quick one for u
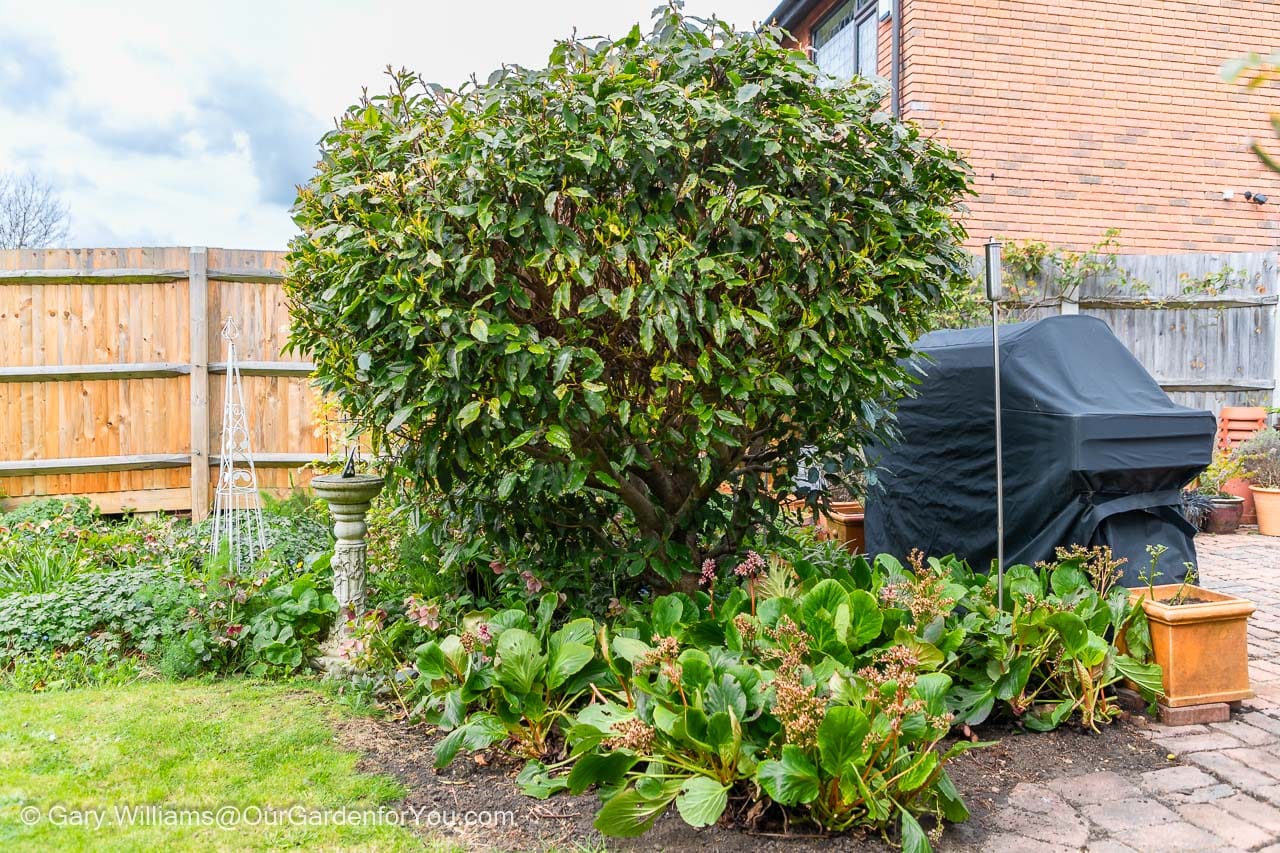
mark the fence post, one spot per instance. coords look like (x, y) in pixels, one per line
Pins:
(1270, 266)
(198, 284)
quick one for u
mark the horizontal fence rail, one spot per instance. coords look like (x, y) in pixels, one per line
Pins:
(140, 276)
(111, 372)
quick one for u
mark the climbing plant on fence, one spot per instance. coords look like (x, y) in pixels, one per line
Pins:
(582, 298)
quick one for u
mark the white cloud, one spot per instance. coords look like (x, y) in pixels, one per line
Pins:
(187, 123)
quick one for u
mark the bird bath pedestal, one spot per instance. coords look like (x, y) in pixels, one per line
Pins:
(348, 499)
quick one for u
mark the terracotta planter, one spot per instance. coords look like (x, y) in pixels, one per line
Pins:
(1225, 515)
(1238, 423)
(1267, 502)
(1202, 647)
(1240, 488)
(845, 525)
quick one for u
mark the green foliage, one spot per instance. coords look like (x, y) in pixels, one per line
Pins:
(1050, 653)
(34, 570)
(812, 678)
(291, 539)
(579, 299)
(1037, 274)
(413, 552)
(299, 503)
(266, 624)
(1226, 465)
(836, 721)
(1197, 504)
(98, 663)
(516, 675)
(293, 620)
(76, 512)
(139, 605)
(1260, 458)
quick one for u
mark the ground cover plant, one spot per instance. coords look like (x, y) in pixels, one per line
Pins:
(86, 599)
(581, 299)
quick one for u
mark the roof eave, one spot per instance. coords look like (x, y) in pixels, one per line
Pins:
(790, 12)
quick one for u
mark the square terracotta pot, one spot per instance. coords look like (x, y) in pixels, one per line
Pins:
(1202, 647)
(846, 525)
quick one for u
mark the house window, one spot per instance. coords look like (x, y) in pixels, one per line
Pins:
(846, 42)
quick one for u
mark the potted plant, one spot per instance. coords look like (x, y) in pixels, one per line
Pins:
(1260, 456)
(1237, 424)
(845, 521)
(1224, 509)
(1197, 636)
(844, 517)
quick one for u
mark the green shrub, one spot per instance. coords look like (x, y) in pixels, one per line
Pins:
(77, 512)
(266, 624)
(179, 657)
(581, 298)
(1050, 654)
(1260, 458)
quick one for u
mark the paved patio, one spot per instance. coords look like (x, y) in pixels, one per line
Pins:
(1221, 790)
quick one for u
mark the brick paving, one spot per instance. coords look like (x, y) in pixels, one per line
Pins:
(1221, 791)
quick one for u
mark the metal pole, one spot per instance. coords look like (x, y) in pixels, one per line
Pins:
(993, 293)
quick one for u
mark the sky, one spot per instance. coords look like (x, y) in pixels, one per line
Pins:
(190, 123)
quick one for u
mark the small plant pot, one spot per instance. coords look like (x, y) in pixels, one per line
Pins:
(1267, 502)
(846, 524)
(1224, 517)
(1201, 646)
(1239, 487)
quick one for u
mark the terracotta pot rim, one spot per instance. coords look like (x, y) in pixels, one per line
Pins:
(1220, 607)
(1264, 489)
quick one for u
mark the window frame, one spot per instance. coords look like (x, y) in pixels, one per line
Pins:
(863, 11)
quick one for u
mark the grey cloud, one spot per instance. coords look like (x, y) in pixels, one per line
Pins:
(282, 137)
(30, 73)
(148, 140)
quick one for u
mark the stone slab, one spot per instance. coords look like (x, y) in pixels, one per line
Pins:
(1190, 715)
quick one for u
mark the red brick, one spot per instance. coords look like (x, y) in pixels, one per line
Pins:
(1071, 92)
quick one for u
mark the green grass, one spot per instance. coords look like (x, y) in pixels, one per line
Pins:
(184, 746)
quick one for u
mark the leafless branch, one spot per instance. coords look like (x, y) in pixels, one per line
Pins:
(31, 213)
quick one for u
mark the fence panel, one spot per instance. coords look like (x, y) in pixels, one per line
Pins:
(104, 394)
(1203, 324)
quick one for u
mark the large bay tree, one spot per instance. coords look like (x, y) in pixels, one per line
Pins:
(601, 306)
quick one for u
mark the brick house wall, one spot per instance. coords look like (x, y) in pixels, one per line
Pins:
(1085, 115)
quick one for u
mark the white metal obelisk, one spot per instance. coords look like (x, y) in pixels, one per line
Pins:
(237, 512)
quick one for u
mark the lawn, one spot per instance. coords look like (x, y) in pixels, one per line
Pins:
(195, 746)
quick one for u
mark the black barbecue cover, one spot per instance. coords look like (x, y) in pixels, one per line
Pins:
(1095, 453)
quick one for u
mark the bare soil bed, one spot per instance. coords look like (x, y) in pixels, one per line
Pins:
(486, 783)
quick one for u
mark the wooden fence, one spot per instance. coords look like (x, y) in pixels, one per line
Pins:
(1204, 325)
(112, 367)
(111, 362)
